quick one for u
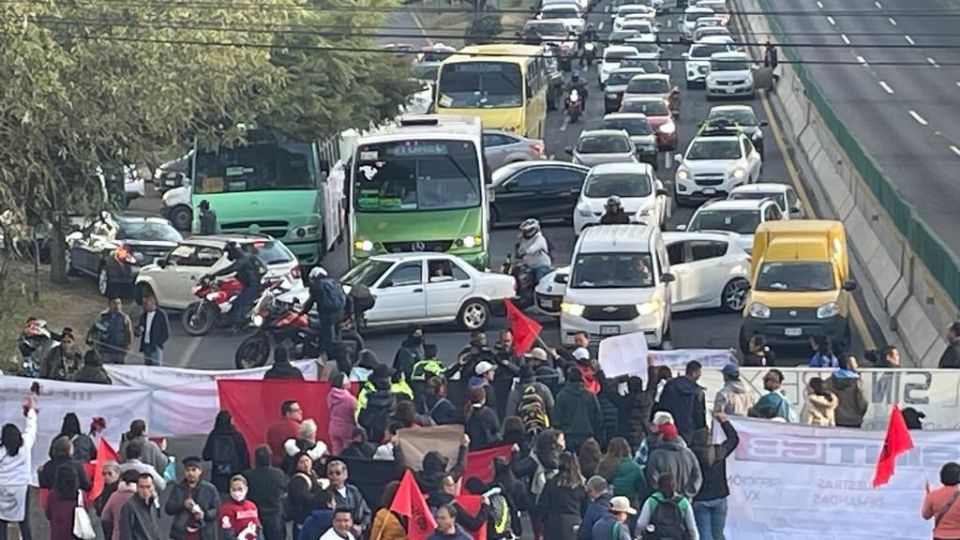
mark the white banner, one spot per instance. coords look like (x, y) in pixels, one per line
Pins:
(616, 353)
(168, 377)
(792, 482)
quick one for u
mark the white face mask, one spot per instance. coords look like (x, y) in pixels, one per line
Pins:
(239, 496)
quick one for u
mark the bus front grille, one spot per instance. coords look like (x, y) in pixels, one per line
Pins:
(436, 246)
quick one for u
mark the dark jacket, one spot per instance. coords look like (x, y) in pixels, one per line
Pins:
(49, 471)
(409, 353)
(596, 510)
(84, 449)
(483, 427)
(507, 370)
(549, 376)
(230, 444)
(685, 400)
(267, 486)
(458, 534)
(675, 458)
(852, 399)
(609, 528)
(363, 450)
(430, 478)
(713, 464)
(633, 410)
(285, 371)
(356, 503)
(610, 418)
(247, 270)
(615, 218)
(577, 413)
(317, 523)
(159, 330)
(767, 360)
(950, 359)
(561, 508)
(440, 409)
(303, 497)
(375, 416)
(93, 375)
(542, 390)
(206, 496)
(140, 520)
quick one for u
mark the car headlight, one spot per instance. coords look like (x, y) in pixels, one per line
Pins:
(584, 211)
(471, 241)
(648, 308)
(363, 245)
(830, 309)
(257, 321)
(668, 128)
(682, 174)
(572, 309)
(758, 311)
(611, 95)
(739, 174)
(758, 135)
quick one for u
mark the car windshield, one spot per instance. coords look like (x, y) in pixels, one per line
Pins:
(612, 271)
(564, 13)
(646, 64)
(416, 175)
(147, 231)
(366, 273)
(620, 36)
(780, 198)
(647, 85)
(742, 117)
(601, 186)
(481, 84)
(649, 107)
(603, 144)
(738, 221)
(547, 28)
(796, 276)
(633, 126)
(635, 26)
(621, 78)
(692, 17)
(255, 167)
(706, 50)
(269, 251)
(706, 148)
(729, 65)
(616, 56)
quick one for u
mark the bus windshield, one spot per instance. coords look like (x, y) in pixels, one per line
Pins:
(483, 84)
(255, 167)
(415, 175)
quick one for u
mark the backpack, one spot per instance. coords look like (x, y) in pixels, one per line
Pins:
(500, 518)
(666, 521)
(533, 412)
(334, 299)
(224, 454)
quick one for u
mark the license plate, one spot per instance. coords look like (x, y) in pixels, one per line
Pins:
(793, 332)
(609, 330)
(546, 304)
(731, 90)
(709, 191)
(169, 181)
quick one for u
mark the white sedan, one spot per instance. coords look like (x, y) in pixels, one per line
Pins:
(711, 271)
(641, 194)
(425, 288)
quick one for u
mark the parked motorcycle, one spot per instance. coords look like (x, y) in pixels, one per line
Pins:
(215, 301)
(574, 106)
(525, 280)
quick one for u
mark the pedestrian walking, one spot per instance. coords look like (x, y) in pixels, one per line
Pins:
(621, 472)
(226, 449)
(674, 458)
(61, 502)
(151, 453)
(342, 407)
(668, 513)
(153, 329)
(193, 503)
(410, 352)
(16, 470)
(480, 422)
(710, 504)
(110, 517)
(447, 528)
(207, 219)
(115, 332)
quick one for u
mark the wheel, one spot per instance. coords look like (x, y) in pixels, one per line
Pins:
(103, 281)
(734, 295)
(252, 352)
(474, 314)
(198, 318)
(181, 217)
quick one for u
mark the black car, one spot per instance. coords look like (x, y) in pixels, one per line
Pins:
(114, 248)
(545, 190)
(616, 86)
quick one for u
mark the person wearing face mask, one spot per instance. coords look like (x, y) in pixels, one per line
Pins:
(62, 363)
(193, 504)
(238, 517)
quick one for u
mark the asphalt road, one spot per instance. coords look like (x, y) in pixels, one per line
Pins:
(904, 116)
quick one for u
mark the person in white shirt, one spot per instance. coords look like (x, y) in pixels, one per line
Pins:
(342, 526)
(16, 466)
(153, 329)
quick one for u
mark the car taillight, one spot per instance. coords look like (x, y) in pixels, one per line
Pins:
(295, 272)
(122, 254)
(537, 147)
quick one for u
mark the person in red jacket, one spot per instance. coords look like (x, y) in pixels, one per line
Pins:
(238, 517)
(288, 427)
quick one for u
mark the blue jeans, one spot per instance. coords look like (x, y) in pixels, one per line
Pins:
(242, 303)
(711, 518)
(540, 271)
(154, 357)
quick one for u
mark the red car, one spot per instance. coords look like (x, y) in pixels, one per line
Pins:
(658, 114)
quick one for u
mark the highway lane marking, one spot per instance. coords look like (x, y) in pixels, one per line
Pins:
(909, 39)
(861, 59)
(920, 120)
(820, 4)
(831, 21)
(845, 39)
(419, 23)
(188, 353)
(879, 6)
(893, 22)
(933, 62)
(955, 150)
(886, 87)
(600, 27)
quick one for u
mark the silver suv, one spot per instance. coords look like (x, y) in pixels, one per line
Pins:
(717, 160)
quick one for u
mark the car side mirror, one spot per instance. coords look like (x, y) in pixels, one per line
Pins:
(161, 262)
(387, 283)
(568, 150)
(562, 279)
(849, 285)
(667, 277)
(682, 227)
(764, 123)
(797, 209)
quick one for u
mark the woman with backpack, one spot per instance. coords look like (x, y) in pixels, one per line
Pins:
(667, 514)
(563, 501)
(480, 421)
(227, 450)
(84, 449)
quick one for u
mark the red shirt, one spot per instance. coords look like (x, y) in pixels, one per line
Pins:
(278, 434)
(590, 381)
(236, 517)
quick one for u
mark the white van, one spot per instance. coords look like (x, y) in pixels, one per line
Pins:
(619, 284)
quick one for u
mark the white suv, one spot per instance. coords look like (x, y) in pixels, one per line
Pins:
(697, 59)
(741, 217)
(714, 164)
(610, 62)
(730, 75)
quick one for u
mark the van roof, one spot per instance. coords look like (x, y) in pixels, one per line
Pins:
(803, 248)
(616, 238)
(801, 226)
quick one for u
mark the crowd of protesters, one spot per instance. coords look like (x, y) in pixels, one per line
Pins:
(591, 457)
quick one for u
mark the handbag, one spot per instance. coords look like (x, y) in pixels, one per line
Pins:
(82, 527)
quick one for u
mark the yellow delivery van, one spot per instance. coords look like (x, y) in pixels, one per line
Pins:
(800, 284)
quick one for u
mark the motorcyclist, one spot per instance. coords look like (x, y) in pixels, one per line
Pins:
(330, 306)
(533, 249)
(674, 101)
(580, 85)
(249, 270)
(613, 213)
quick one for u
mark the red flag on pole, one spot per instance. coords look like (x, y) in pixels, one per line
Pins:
(896, 442)
(105, 453)
(480, 462)
(410, 502)
(525, 330)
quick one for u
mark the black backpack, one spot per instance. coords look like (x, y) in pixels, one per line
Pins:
(667, 521)
(224, 454)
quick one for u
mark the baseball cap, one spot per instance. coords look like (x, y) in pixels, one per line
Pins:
(621, 504)
(581, 354)
(483, 367)
(537, 354)
(731, 370)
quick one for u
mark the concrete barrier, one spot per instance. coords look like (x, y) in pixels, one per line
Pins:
(911, 306)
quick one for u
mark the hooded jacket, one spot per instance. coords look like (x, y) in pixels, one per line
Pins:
(848, 388)
(577, 412)
(375, 415)
(733, 398)
(684, 399)
(596, 510)
(284, 371)
(820, 410)
(542, 390)
(674, 458)
(342, 406)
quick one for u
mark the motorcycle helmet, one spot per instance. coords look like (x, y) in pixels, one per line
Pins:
(529, 228)
(575, 75)
(233, 251)
(613, 204)
(317, 272)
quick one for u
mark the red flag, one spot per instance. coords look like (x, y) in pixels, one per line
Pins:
(105, 453)
(525, 330)
(471, 504)
(896, 442)
(410, 502)
(480, 462)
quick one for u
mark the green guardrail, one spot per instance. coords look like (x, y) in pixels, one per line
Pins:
(942, 264)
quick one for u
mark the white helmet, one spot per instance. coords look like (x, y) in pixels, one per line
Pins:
(317, 272)
(530, 227)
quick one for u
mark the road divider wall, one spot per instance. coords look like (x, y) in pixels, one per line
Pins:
(905, 265)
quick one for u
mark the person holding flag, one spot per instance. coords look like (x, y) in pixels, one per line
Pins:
(942, 504)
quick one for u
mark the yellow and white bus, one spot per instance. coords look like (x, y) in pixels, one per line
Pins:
(503, 84)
